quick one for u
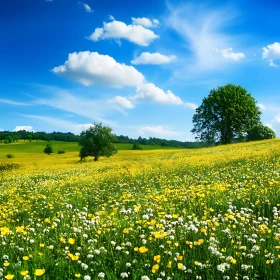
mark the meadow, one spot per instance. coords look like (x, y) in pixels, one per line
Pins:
(209, 213)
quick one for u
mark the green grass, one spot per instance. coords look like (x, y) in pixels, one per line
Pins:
(22, 149)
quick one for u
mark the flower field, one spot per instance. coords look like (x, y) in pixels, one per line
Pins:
(165, 214)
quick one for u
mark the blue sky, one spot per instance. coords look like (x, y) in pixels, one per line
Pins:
(141, 67)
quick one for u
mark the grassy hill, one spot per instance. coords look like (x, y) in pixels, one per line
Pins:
(186, 214)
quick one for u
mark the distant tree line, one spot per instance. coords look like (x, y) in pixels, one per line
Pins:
(13, 136)
(159, 142)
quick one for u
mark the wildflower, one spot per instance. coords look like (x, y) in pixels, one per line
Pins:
(24, 272)
(145, 277)
(39, 272)
(143, 250)
(155, 268)
(101, 275)
(124, 275)
(87, 277)
(157, 258)
(77, 275)
(71, 241)
(6, 264)
(9, 277)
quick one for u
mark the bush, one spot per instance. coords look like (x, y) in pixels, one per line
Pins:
(60, 152)
(136, 146)
(10, 156)
(8, 166)
(49, 149)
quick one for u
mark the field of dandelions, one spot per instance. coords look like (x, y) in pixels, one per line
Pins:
(174, 214)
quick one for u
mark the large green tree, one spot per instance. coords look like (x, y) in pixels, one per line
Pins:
(97, 141)
(227, 112)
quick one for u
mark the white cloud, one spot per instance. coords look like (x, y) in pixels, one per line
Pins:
(23, 127)
(202, 28)
(157, 131)
(190, 105)
(11, 102)
(92, 68)
(228, 53)
(153, 58)
(146, 22)
(272, 52)
(58, 124)
(68, 102)
(122, 102)
(84, 126)
(88, 8)
(261, 106)
(276, 119)
(117, 30)
(149, 92)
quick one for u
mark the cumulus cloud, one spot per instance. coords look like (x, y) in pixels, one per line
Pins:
(153, 58)
(157, 131)
(88, 8)
(122, 102)
(146, 22)
(272, 52)
(117, 30)
(228, 53)
(92, 68)
(149, 92)
(23, 127)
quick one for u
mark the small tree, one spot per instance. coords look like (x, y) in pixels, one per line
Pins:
(260, 132)
(97, 141)
(49, 149)
(227, 112)
(136, 146)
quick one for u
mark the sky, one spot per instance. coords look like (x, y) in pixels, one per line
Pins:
(140, 67)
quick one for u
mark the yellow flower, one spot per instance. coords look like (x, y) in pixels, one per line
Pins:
(179, 258)
(25, 258)
(267, 262)
(6, 264)
(180, 265)
(39, 272)
(143, 250)
(9, 277)
(126, 230)
(78, 275)
(136, 249)
(155, 268)
(233, 261)
(71, 241)
(157, 258)
(42, 245)
(169, 264)
(24, 272)
(20, 229)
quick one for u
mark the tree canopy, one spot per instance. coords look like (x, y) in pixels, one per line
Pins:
(260, 132)
(97, 141)
(228, 112)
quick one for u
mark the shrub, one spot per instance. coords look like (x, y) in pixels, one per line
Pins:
(49, 149)
(61, 152)
(8, 166)
(10, 156)
(136, 146)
